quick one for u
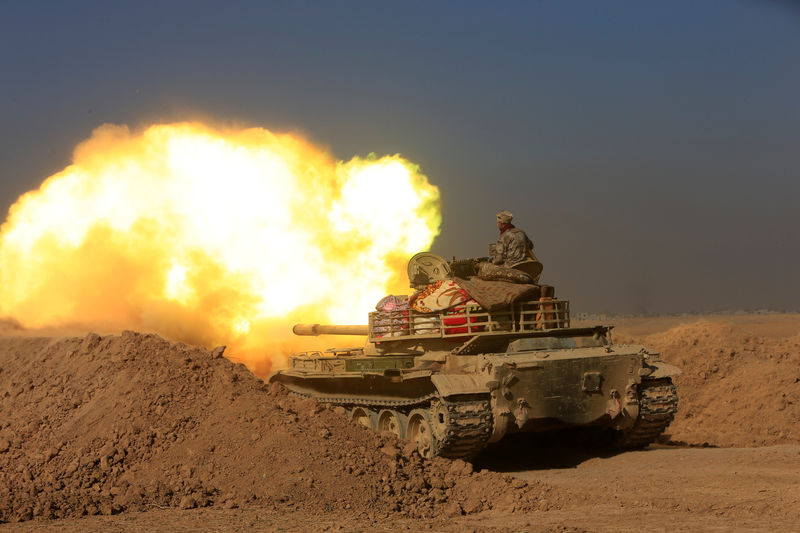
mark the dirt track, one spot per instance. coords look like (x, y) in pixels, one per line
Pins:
(207, 430)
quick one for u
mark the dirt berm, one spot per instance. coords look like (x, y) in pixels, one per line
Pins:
(737, 389)
(102, 425)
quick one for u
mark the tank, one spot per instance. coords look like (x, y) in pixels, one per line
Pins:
(455, 380)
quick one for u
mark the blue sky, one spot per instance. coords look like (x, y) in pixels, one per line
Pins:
(651, 150)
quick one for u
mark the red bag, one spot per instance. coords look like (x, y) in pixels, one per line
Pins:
(460, 319)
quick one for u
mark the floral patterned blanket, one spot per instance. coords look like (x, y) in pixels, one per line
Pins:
(439, 296)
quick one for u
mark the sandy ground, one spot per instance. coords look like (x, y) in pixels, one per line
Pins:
(659, 489)
(740, 386)
(679, 489)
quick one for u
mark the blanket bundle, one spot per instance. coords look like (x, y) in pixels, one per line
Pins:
(496, 295)
(450, 298)
(391, 318)
(439, 296)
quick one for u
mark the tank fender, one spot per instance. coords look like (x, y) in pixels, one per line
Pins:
(662, 370)
(453, 384)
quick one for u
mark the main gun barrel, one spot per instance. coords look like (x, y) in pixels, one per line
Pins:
(321, 329)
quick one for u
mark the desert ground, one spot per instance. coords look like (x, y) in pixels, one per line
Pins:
(134, 432)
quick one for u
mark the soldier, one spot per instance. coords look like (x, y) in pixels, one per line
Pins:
(514, 249)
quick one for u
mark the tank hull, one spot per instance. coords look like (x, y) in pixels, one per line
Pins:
(454, 404)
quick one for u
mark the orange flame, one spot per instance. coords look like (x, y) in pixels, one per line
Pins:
(212, 236)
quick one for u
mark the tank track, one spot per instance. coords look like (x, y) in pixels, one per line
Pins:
(468, 428)
(468, 423)
(349, 401)
(658, 404)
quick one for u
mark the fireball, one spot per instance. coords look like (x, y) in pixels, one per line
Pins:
(212, 236)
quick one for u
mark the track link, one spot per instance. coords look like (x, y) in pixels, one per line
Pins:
(658, 404)
(351, 401)
(466, 429)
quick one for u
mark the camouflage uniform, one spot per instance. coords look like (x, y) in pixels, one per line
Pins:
(512, 248)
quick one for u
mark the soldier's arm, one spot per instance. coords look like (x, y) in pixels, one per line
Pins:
(497, 251)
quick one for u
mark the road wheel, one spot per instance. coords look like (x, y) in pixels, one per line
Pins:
(419, 432)
(362, 416)
(440, 419)
(390, 421)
